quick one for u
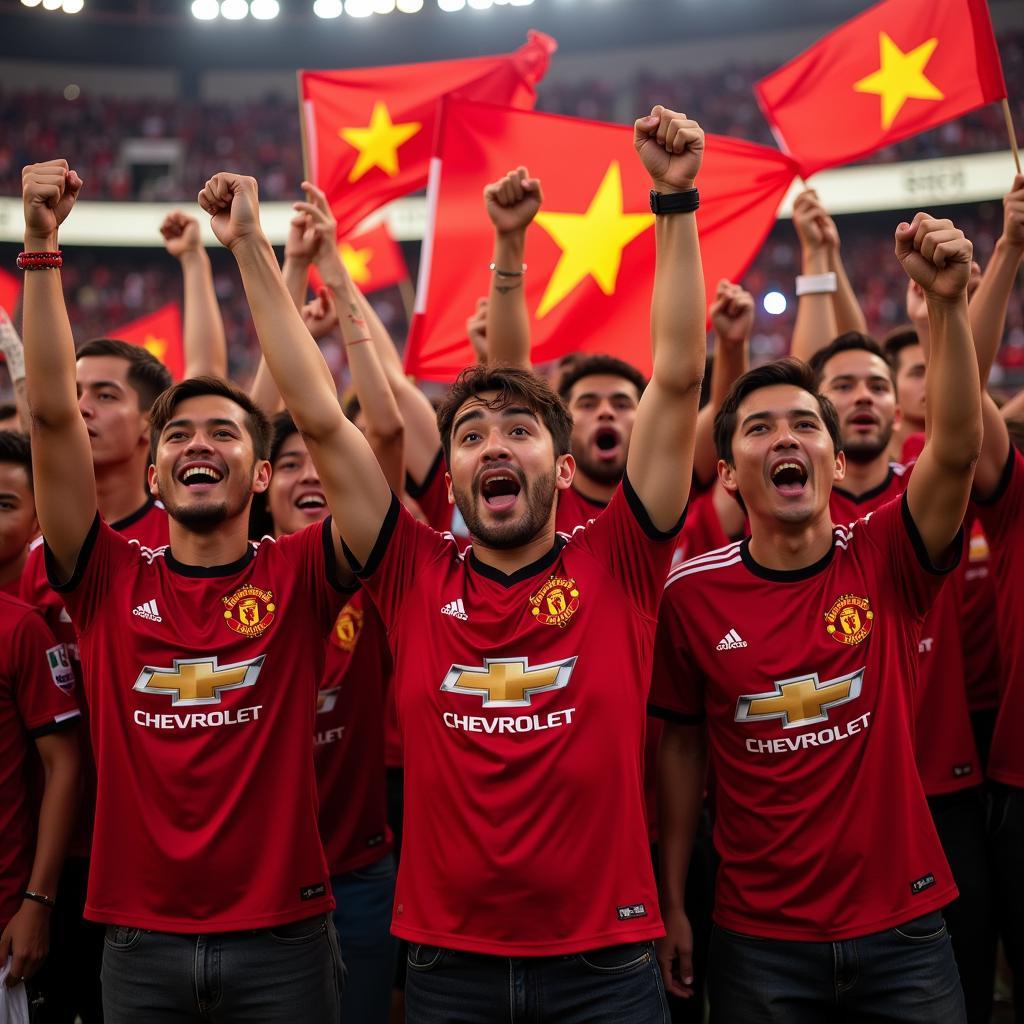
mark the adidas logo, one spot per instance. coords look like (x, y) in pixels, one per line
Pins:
(731, 641)
(456, 610)
(148, 610)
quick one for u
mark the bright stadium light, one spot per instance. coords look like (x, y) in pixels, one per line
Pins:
(359, 8)
(410, 6)
(31, 3)
(205, 10)
(774, 303)
(480, 5)
(450, 6)
(264, 10)
(233, 10)
(72, 6)
(51, 5)
(383, 6)
(327, 8)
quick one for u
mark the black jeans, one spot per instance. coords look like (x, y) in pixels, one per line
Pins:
(960, 821)
(613, 985)
(1006, 834)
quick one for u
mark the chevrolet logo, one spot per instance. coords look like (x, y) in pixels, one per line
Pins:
(508, 682)
(802, 700)
(198, 680)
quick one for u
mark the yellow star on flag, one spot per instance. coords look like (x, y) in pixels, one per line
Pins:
(591, 242)
(357, 262)
(900, 77)
(155, 346)
(378, 142)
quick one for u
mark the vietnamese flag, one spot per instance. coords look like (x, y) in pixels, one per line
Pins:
(368, 133)
(10, 291)
(898, 69)
(590, 250)
(372, 258)
(160, 334)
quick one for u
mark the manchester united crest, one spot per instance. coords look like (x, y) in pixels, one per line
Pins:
(849, 620)
(346, 627)
(249, 610)
(556, 602)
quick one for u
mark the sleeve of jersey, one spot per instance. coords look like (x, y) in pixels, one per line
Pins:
(40, 667)
(1001, 513)
(404, 549)
(677, 690)
(311, 550)
(636, 553)
(432, 495)
(104, 553)
(903, 556)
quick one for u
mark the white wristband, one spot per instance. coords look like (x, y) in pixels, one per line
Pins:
(10, 345)
(816, 284)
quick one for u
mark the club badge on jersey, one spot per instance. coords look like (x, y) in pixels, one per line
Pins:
(347, 627)
(556, 602)
(849, 620)
(249, 611)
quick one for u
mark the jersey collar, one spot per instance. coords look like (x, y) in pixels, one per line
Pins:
(134, 517)
(859, 499)
(206, 571)
(785, 575)
(535, 568)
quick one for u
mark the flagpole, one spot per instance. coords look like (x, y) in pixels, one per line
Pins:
(408, 298)
(302, 127)
(1011, 133)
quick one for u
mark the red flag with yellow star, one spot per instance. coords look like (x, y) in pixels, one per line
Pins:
(898, 69)
(590, 250)
(372, 258)
(368, 132)
(160, 334)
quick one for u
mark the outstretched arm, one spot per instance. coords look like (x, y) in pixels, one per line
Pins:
(937, 255)
(357, 492)
(512, 202)
(206, 347)
(660, 461)
(815, 325)
(65, 485)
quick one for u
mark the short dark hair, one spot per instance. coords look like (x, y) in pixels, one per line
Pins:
(7, 410)
(851, 341)
(146, 373)
(163, 409)
(782, 371)
(589, 366)
(15, 448)
(897, 340)
(514, 386)
(282, 427)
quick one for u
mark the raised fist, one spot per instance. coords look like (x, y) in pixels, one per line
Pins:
(181, 234)
(48, 191)
(232, 201)
(732, 313)
(314, 230)
(814, 227)
(936, 255)
(320, 315)
(1013, 213)
(476, 330)
(513, 201)
(671, 147)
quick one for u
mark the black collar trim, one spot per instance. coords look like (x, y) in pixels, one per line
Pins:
(526, 572)
(859, 499)
(590, 501)
(785, 575)
(210, 571)
(122, 524)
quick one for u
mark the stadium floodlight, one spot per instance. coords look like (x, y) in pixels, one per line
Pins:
(774, 303)
(520, 3)
(359, 8)
(233, 10)
(31, 3)
(51, 5)
(410, 6)
(205, 10)
(264, 10)
(450, 6)
(327, 8)
(480, 5)
(383, 6)
(72, 6)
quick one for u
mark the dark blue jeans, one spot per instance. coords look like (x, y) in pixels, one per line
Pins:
(613, 985)
(281, 975)
(363, 920)
(905, 975)
(1006, 825)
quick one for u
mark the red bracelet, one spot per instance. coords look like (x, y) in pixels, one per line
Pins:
(40, 260)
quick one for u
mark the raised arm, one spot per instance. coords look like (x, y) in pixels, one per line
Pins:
(65, 485)
(206, 347)
(937, 255)
(512, 202)
(732, 318)
(357, 492)
(660, 461)
(815, 323)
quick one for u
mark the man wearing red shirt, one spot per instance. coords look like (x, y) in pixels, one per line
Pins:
(521, 664)
(17, 508)
(201, 663)
(800, 648)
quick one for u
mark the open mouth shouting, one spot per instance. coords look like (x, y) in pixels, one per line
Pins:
(311, 503)
(607, 443)
(788, 476)
(499, 488)
(863, 421)
(200, 476)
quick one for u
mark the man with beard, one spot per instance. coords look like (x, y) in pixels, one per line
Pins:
(201, 662)
(521, 664)
(799, 648)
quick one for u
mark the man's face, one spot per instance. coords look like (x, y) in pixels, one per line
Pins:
(118, 429)
(206, 471)
(503, 472)
(17, 512)
(861, 388)
(603, 408)
(295, 497)
(783, 461)
(910, 368)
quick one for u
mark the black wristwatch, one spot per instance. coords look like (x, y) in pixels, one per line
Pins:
(675, 202)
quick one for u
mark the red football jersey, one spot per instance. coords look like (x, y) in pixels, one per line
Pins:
(575, 510)
(202, 686)
(521, 701)
(979, 626)
(349, 739)
(807, 681)
(702, 531)
(35, 698)
(1002, 517)
(947, 756)
(431, 494)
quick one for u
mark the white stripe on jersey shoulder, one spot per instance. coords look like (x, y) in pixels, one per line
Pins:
(35, 543)
(160, 505)
(898, 468)
(720, 558)
(450, 537)
(150, 553)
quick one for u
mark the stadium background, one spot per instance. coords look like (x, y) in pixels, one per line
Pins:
(146, 101)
